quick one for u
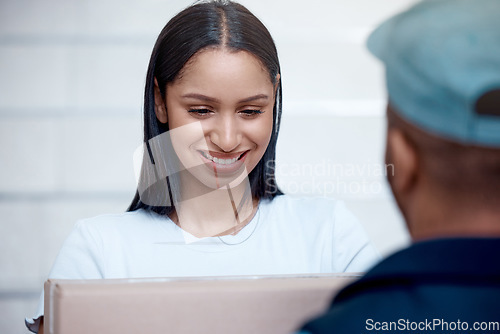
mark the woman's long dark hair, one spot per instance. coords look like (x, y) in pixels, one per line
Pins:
(211, 24)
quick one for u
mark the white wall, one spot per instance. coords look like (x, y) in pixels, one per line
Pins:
(71, 84)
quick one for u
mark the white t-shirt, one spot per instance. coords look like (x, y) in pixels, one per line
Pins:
(286, 236)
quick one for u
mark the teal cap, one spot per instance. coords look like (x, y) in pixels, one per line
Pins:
(442, 62)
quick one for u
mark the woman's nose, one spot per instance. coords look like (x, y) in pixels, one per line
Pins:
(226, 134)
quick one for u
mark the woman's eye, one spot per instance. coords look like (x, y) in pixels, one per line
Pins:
(200, 112)
(251, 112)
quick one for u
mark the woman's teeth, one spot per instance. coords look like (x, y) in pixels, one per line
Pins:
(218, 160)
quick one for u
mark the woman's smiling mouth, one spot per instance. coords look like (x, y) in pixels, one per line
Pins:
(224, 161)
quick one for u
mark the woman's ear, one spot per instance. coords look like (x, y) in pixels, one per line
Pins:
(160, 106)
(276, 85)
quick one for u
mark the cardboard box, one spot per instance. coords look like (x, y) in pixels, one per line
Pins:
(243, 304)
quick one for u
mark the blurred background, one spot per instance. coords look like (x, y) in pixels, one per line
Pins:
(72, 74)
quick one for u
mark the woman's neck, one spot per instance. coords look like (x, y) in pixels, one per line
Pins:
(207, 212)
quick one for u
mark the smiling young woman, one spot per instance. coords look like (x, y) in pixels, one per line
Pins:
(230, 95)
(207, 201)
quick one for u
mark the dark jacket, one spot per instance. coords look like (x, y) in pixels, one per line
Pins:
(438, 286)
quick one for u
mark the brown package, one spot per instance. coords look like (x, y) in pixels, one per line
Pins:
(236, 305)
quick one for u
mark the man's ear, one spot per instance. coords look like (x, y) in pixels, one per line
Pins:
(160, 107)
(403, 156)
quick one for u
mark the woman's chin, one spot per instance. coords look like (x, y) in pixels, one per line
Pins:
(223, 178)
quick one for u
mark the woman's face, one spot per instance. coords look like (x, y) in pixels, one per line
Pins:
(220, 115)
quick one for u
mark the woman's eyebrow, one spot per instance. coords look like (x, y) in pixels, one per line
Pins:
(255, 97)
(202, 97)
